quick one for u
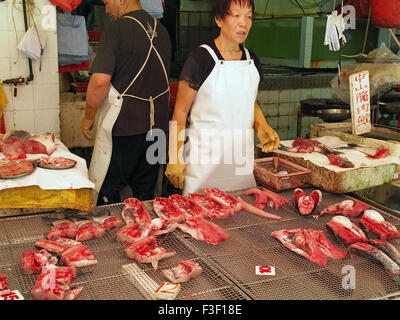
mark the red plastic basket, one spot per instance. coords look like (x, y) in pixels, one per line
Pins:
(79, 86)
(173, 89)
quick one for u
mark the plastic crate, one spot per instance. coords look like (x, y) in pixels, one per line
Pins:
(266, 173)
(79, 87)
(173, 89)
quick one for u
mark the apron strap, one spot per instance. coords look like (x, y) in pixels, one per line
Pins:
(150, 99)
(211, 51)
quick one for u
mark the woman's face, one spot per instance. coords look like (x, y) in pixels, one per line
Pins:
(235, 26)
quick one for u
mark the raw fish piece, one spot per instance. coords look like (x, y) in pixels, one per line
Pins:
(147, 251)
(88, 230)
(250, 208)
(348, 208)
(63, 229)
(3, 284)
(184, 271)
(214, 208)
(375, 226)
(188, 207)
(135, 212)
(225, 198)
(306, 204)
(203, 230)
(166, 209)
(52, 246)
(78, 256)
(33, 262)
(40, 143)
(373, 253)
(346, 231)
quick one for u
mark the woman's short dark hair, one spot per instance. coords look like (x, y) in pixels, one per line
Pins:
(221, 7)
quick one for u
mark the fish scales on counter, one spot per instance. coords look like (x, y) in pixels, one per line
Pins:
(88, 230)
(225, 198)
(215, 209)
(375, 226)
(135, 212)
(345, 231)
(349, 208)
(165, 208)
(186, 270)
(311, 244)
(33, 262)
(147, 251)
(267, 198)
(63, 229)
(259, 212)
(376, 255)
(59, 278)
(306, 204)
(203, 230)
(189, 208)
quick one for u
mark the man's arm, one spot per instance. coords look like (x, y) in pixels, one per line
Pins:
(96, 92)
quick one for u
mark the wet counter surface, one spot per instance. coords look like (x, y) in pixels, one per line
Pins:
(228, 268)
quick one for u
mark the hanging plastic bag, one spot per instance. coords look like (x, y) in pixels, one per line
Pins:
(31, 45)
(68, 5)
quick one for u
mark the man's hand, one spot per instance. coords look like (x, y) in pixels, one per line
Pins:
(175, 171)
(88, 120)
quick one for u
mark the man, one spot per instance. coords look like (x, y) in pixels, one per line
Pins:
(129, 85)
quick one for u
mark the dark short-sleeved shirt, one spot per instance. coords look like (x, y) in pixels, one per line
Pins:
(199, 64)
(122, 51)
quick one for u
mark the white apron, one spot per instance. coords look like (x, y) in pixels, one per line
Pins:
(108, 114)
(221, 137)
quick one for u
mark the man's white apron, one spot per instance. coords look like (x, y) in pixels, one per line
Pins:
(108, 114)
(221, 137)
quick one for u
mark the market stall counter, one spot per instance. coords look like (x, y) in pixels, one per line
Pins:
(50, 182)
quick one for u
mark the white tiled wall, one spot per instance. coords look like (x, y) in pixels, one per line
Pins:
(36, 107)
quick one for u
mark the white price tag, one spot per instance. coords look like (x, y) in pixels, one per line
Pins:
(13, 295)
(168, 290)
(265, 270)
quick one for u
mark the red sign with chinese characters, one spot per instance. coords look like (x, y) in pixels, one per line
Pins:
(360, 102)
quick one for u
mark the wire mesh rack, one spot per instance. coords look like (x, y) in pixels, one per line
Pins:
(228, 268)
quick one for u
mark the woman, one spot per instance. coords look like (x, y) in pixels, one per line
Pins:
(217, 90)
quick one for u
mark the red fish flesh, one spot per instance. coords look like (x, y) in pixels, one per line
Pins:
(164, 208)
(188, 207)
(78, 256)
(135, 212)
(374, 254)
(370, 152)
(375, 226)
(159, 226)
(54, 285)
(311, 244)
(88, 230)
(147, 251)
(214, 208)
(267, 198)
(129, 234)
(259, 212)
(63, 229)
(225, 198)
(346, 231)
(186, 270)
(306, 204)
(348, 208)
(33, 262)
(111, 222)
(203, 230)
(43, 143)
(52, 246)
(301, 145)
(12, 149)
(3, 284)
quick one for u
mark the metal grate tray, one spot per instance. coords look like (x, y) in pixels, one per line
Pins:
(228, 268)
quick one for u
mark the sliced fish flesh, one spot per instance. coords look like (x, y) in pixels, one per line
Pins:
(186, 270)
(306, 204)
(349, 208)
(164, 208)
(225, 198)
(135, 212)
(375, 226)
(189, 208)
(346, 231)
(214, 208)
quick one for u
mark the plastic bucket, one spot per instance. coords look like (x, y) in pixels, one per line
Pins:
(385, 13)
